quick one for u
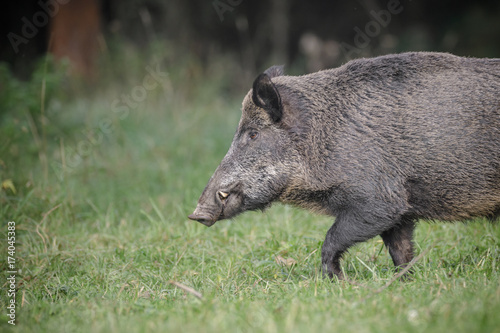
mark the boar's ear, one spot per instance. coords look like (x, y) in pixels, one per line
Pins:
(275, 71)
(266, 96)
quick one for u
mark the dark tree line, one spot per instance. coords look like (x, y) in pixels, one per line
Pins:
(314, 33)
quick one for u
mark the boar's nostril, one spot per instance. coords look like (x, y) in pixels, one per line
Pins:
(222, 195)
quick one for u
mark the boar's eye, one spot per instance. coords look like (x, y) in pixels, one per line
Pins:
(253, 135)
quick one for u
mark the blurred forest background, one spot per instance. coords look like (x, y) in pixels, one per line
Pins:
(304, 35)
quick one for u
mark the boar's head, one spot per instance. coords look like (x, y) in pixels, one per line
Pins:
(260, 162)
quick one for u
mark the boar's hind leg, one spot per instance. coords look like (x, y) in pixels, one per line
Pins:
(347, 230)
(399, 241)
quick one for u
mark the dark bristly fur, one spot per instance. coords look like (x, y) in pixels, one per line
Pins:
(378, 143)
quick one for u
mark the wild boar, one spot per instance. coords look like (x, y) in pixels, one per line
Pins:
(377, 143)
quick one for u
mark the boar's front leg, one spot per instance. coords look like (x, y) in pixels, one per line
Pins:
(349, 228)
(399, 241)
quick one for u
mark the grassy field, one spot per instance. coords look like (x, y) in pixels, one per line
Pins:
(103, 242)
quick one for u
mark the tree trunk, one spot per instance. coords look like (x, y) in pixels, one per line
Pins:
(74, 34)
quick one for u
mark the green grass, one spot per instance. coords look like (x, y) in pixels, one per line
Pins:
(98, 248)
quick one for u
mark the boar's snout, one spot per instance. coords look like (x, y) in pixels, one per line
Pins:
(202, 218)
(213, 206)
(208, 214)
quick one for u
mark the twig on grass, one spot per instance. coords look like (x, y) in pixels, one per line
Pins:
(399, 275)
(403, 271)
(43, 220)
(50, 211)
(186, 289)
